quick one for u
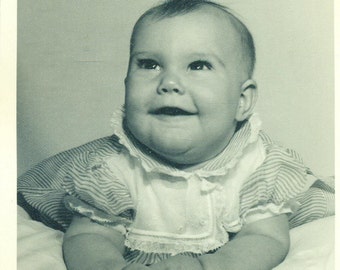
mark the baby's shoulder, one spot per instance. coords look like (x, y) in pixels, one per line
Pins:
(282, 167)
(105, 145)
(275, 150)
(59, 164)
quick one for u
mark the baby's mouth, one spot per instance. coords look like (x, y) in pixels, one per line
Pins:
(171, 111)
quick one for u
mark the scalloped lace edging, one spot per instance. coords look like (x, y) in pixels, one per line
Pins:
(270, 210)
(78, 206)
(175, 246)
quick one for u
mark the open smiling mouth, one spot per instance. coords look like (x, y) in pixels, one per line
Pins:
(172, 111)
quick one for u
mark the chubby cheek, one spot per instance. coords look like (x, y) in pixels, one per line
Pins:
(138, 94)
(218, 115)
(218, 107)
(136, 125)
(135, 111)
(215, 92)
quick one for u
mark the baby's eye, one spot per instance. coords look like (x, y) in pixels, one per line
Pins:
(148, 64)
(200, 65)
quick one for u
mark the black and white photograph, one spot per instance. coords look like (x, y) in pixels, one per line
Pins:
(175, 134)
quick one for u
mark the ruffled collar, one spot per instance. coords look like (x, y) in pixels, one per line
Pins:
(245, 135)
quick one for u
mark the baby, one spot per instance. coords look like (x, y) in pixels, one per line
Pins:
(188, 180)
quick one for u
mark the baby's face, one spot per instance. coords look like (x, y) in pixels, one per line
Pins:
(183, 86)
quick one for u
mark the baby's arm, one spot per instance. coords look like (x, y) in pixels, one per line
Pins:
(90, 246)
(259, 245)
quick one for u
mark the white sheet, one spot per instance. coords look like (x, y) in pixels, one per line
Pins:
(39, 247)
(312, 246)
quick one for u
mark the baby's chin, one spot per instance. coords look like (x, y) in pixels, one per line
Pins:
(179, 155)
(178, 147)
(170, 151)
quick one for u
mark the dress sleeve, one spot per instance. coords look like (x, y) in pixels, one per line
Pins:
(96, 191)
(272, 189)
(76, 181)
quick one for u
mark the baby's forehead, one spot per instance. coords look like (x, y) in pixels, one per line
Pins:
(226, 20)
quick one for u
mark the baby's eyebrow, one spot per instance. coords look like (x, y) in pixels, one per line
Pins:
(141, 53)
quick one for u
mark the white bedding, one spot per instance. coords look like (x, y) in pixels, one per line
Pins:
(312, 246)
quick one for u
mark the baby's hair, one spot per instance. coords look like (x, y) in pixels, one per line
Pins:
(172, 8)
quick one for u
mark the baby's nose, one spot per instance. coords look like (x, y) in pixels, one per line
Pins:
(170, 83)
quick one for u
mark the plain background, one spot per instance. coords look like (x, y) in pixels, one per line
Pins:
(73, 55)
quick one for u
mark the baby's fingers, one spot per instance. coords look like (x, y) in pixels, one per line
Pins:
(178, 262)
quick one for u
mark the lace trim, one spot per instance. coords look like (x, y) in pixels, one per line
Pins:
(260, 212)
(175, 246)
(270, 210)
(152, 165)
(76, 205)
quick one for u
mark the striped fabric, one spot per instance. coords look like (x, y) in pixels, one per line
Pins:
(281, 178)
(315, 203)
(40, 190)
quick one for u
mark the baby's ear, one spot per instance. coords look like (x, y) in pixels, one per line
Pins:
(247, 100)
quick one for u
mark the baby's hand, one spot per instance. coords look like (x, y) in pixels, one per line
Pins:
(178, 262)
(136, 266)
